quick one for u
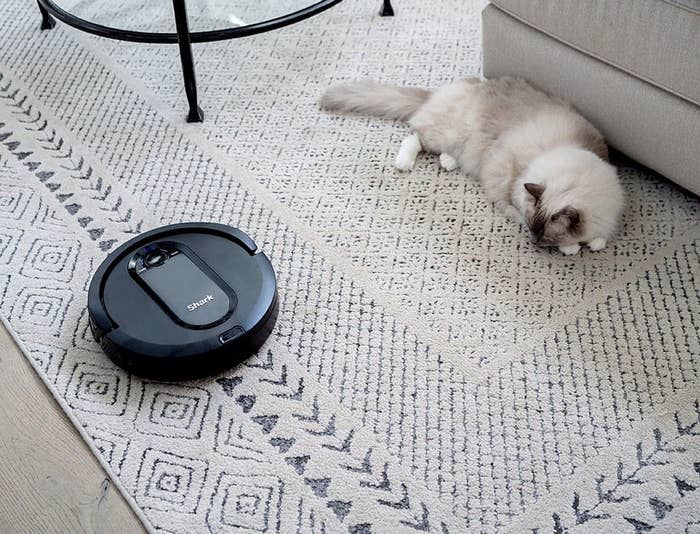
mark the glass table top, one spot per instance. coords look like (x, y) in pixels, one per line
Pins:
(156, 16)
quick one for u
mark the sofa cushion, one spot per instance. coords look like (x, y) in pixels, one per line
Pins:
(655, 40)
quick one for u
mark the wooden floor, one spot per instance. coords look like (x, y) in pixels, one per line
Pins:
(49, 479)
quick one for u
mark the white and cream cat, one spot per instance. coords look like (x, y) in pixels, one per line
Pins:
(537, 158)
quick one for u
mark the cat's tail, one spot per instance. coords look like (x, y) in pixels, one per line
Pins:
(372, 98)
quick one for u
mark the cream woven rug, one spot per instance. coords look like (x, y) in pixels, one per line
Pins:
(431, 371)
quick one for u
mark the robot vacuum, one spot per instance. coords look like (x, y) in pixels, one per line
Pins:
(183, 301)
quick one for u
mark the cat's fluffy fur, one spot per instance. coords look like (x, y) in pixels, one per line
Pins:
(536, 157)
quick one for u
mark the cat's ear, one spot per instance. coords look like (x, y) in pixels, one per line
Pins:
(570, 216)
(535, 190)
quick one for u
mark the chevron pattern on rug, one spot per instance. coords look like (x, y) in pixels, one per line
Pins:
(430, 370)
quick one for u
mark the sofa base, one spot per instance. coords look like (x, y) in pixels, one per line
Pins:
(652, 126)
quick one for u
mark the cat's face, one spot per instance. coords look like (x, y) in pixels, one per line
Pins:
(551, 224)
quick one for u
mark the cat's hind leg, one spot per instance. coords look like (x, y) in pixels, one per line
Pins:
(408, 152)
(447, 162)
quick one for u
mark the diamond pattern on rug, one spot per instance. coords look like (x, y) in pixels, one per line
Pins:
(359, 414)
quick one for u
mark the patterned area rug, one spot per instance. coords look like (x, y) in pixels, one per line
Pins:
(431, 371)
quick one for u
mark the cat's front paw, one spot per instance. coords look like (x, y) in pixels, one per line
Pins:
(447, 162)
(569, 250)
(597, 244)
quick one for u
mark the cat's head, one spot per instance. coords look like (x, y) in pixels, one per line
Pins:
(569, 196)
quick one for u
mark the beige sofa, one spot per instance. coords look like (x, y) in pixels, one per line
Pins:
(631, 66)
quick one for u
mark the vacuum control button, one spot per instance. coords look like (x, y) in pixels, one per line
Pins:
(230, 334)
(155, 258)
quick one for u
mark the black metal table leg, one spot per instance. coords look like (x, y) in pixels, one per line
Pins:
(387, 10)
(183, 40)
(47, 21)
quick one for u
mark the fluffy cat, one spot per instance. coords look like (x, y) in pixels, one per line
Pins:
(536, 157)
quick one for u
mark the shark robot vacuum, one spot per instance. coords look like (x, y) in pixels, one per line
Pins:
(183, 301)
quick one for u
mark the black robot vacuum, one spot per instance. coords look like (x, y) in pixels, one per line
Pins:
(183, 301)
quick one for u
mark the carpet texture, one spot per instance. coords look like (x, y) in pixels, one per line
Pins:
(431, 370)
